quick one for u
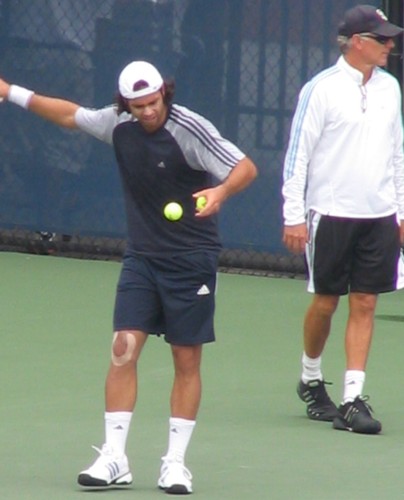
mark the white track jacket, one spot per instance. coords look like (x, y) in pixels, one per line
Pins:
(345, 154)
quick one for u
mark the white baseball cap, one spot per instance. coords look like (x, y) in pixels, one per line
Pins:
(139, 78)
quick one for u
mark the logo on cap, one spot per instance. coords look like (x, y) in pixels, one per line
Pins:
(381, 14)
(138, 79)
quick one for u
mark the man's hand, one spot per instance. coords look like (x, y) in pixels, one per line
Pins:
(402, 232)
(295, 238)
(214, 199)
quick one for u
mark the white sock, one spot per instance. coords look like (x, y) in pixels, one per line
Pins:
(117, 425)
(178, 439)
(353, 386)
(311, 368)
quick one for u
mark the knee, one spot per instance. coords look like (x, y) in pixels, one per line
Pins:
(123, 348)
(363, 303)
(326, 305)
(187, 359)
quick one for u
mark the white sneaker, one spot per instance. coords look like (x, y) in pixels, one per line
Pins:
(175, 478)
(109, 469)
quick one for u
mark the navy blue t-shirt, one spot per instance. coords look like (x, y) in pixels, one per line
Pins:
(170, 165)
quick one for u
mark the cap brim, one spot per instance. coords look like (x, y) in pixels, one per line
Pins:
(388, 29)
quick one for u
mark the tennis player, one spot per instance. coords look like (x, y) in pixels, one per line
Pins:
(167, 284)
(344, 205)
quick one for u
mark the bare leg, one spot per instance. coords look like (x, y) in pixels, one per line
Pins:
(359, 331)
(187, 387)
(358, 339)
(311, 389)
(120, 398)
(121, 382)
(317, 323)
(185, 400)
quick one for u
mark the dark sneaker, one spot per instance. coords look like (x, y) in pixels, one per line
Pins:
(319, 404)
(356, 416)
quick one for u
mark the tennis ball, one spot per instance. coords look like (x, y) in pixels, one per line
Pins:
(173, 211)
(200, 202)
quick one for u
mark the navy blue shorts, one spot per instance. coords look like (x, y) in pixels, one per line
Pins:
(172, 296)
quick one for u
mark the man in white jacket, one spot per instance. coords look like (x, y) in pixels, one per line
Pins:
(344, 205)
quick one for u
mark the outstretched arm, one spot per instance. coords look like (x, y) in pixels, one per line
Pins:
(58, 111)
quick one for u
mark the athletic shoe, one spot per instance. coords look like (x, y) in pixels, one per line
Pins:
(356, 416)
(46, 235)
(108, 470)
(319, 404)
(175, 478)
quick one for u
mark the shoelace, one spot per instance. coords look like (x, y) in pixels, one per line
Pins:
(318, 394)
(101, 451)
(166, 467)
(104, 452)
(364, 400)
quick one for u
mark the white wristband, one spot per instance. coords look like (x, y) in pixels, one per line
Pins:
(20, 96)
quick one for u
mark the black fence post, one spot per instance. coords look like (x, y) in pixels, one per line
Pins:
(233, 69)
(394, 10)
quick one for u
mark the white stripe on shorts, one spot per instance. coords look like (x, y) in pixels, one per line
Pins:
(400, 271)
(313, 221)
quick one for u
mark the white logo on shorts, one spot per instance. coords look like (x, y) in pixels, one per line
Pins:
(204, 290)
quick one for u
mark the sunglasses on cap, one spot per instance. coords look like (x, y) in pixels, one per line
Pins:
(378, 38)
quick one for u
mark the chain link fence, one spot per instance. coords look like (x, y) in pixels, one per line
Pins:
(241, 63)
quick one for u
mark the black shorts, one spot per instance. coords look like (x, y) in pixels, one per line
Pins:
(172, 296)
(353, 255)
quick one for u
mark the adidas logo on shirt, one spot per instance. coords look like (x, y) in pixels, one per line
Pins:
(204, 290)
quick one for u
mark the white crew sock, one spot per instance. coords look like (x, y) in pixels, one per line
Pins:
(117, 425)
(353, 386)
(178, 439)
(311, 368)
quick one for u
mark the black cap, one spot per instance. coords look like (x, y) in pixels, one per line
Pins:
(367, 19)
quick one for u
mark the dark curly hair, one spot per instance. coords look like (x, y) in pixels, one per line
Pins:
(169, 91)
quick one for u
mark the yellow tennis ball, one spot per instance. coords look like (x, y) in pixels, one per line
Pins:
(200, 202)
(173, 211)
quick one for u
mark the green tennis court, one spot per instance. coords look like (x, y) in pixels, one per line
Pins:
(252, 441)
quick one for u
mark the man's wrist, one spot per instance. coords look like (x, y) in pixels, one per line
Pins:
(20, 96)
(294, 222)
